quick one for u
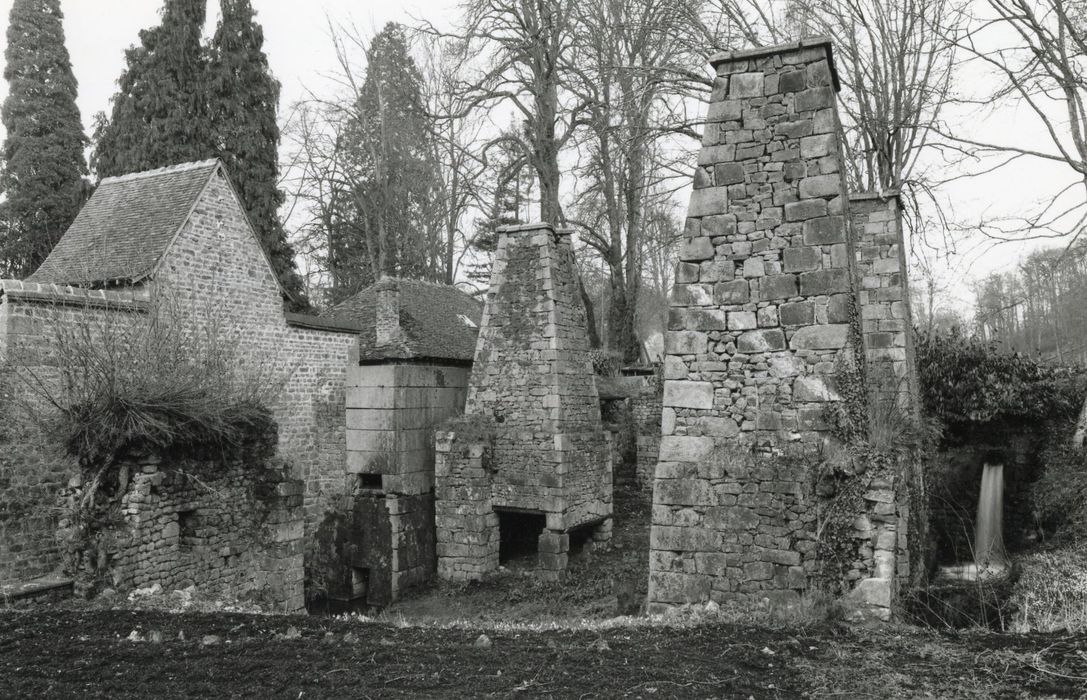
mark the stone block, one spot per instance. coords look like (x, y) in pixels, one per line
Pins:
(824, 231)
(824, 337)
(801, 259)
(718, 225)
(754, 267)
(687, 273)
(688, 394)
(786, 365)
(685, 448)
(708, 201)
(724, 111)
(716, 271)
(729, 174)
(814, 99)
(819, 186)
(805, 209)
(763, 340)
(742, 320)
(678, 588)
(800, 313)
(696, 249)
(817, 146)
(735, 292)
(743, 85)
(777, 287)
(685, 342)
(824, 282)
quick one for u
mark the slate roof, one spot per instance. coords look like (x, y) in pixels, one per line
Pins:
(432, 320)
(126, 226)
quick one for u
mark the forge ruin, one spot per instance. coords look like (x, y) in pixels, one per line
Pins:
(427, 436)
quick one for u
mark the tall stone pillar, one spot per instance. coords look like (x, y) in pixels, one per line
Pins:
(762, 320)
(531, 439)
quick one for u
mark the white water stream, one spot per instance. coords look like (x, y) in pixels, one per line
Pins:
(990, 558)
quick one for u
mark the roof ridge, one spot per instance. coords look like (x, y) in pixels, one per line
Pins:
(166, 170)
(431, 283)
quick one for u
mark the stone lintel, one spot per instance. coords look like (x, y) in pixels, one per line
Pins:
(765, 51)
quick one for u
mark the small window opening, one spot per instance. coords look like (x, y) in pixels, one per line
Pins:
(369, 482)
(188, 524)
(519, 536)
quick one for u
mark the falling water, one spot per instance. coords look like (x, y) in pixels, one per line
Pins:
(989, 541)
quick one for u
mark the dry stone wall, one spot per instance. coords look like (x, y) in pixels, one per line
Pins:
(762, 318)
(232, 529)
(531, 438)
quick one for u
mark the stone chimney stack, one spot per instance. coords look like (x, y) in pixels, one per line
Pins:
(387, 313)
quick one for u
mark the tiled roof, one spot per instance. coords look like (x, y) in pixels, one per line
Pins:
(438, 321)
(126, 226)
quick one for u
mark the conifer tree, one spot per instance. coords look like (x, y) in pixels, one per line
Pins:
(394, 179)
(43, 160)
(160, 115)
(243, 99)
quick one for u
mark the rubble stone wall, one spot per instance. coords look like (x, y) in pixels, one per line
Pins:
(230, 528)
(763, 316)
(532, 385)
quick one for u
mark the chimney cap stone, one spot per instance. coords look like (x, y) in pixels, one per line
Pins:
(788, 47)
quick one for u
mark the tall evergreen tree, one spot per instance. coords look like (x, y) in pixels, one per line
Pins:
(244, 98)
(43, 152)
(160, 115)
(393, 178)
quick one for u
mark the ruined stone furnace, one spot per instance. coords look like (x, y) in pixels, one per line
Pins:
(531, 441)
(766, 315)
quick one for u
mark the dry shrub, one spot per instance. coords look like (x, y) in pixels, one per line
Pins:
(135, 382)
(1051, 593)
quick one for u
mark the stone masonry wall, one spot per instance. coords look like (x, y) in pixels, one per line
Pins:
(884, 298)
(217, 278)
(392, 412)
(532, 382)
(234, 529)
(761, 319)
(33, 466)
(216, 271)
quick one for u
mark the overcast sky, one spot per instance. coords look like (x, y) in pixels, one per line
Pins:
(299, 51)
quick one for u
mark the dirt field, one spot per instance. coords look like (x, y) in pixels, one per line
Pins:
(130, 654)
(545, 639)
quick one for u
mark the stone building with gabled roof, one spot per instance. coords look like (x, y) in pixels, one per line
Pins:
(362, 387)
(181, 235)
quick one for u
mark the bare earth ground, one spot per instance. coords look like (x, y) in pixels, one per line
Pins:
(427, 647)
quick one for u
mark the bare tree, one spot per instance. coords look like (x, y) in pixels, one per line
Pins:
(1037, 52)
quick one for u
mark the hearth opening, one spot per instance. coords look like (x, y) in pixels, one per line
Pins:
(519, 535)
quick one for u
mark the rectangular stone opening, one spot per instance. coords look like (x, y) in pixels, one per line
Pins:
(188, 523)
(581, 540)
(369, 482)
(519, 534)
(360, 582)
